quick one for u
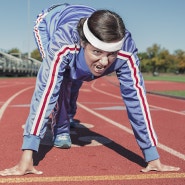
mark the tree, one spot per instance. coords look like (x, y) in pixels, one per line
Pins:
(14, 50)
(153, 55)
(144, 61)
(36, 55)
(180, 60)
(165, 60)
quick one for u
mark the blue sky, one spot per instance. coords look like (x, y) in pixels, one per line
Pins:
(151, 22)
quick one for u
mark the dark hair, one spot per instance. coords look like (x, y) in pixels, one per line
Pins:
(106, 25)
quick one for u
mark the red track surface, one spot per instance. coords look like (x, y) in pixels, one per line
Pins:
(104, 150)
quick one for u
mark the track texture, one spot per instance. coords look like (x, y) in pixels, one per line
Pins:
(104, 150)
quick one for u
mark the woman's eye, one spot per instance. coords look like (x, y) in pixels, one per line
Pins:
(96, 52)
(113, 53)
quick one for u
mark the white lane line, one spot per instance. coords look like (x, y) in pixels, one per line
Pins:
(5, 105)
(167, 110)
(161, 146)
(106, 119)
(119, 97)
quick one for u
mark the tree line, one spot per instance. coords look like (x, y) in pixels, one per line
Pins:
(155, 60)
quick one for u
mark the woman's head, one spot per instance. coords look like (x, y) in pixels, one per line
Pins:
(105, 25)
(102, 36)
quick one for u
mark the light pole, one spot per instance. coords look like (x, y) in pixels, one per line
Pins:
(28, 17)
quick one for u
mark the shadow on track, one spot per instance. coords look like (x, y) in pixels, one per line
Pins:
(84, 136)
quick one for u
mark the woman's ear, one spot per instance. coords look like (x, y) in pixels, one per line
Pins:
(82, 44)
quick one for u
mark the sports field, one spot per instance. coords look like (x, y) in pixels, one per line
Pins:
(104, 150)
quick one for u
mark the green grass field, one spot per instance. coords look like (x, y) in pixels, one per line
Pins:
(165, 77)
(168, 77)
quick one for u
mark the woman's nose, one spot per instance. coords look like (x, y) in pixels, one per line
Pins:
(104, 61)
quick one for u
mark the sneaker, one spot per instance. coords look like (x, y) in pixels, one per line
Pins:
(62, 141)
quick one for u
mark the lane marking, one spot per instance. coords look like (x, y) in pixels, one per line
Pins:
(111, 108)
(105, 118)
(92, 178)
(94, 140)
(119, 97)
(21, 105)
(85, 90)
(5, 105)
(115, 108)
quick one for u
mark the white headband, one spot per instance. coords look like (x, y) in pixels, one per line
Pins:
(105, 46)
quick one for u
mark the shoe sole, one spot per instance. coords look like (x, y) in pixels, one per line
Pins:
(63, 146)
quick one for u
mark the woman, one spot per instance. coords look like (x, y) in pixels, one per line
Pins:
(80, 43)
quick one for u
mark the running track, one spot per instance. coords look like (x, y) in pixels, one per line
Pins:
(104, 150)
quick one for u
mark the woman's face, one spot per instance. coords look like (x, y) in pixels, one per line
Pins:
(97, 60)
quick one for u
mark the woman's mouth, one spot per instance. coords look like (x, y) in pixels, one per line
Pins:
(99, 68)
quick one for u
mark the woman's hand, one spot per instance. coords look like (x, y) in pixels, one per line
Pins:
(156, 165)
(25, 166)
